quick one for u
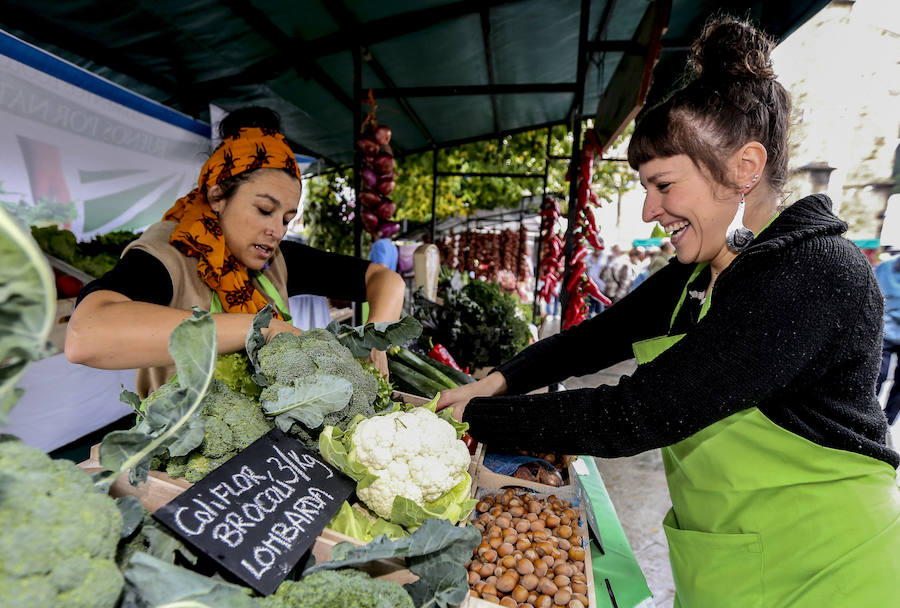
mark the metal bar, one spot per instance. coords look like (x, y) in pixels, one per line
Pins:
(395, 26)
(383, 76)
(43, 29)
(612, 596)
(632, 47)
(581, 73)
(537, 256)
(477, 89)
(486, 174)
(434, 187)
(347, 20)
(295, 48)
(489, 61)
(612, 160)
(357, 167)
(468, 140)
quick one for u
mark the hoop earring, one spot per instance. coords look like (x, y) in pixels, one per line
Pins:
(738, 237)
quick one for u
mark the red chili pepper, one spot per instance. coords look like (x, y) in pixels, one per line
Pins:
(580, 254)
(576, 273)
(440, 353)
(593, 291)
(591, 220)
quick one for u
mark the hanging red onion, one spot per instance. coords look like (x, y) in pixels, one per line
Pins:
(370, 221)
(368, 147)
(384, 163)
(388, 230)
(386, 209)
(382, 135)
(386, 186)
(369, 178)
(369, 199)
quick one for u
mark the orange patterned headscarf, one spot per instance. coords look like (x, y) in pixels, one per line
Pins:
(199, 235)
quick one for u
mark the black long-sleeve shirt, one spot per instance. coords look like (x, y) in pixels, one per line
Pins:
(794, 328)
(143, 278)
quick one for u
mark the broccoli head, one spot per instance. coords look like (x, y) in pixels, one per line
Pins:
(339, 589)
(288, 357)
(231, 423)
(59, 538)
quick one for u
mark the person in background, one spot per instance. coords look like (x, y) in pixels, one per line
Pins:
(888, 275)
(662, 257)
(220, 248)
(384, 252)
(617, 275)
(595, 266)
(758, 352)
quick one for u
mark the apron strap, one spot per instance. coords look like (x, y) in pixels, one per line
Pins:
(216, 305)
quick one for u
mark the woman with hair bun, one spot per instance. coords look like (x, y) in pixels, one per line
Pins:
(758, 351)
(220, 248)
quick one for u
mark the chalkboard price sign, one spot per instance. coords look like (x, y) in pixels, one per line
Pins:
(258, 513)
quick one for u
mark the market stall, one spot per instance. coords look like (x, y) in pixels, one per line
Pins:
(342, 440)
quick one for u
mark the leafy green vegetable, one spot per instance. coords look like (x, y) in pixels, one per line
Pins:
(235, 370)
(152, 582)
(435, 552)
(480, 324)
(361, 340)
(338, 589)
(352, 521)
(256, 340)
(59, 535)
(308, 400)
(27, 306)
(172, 421)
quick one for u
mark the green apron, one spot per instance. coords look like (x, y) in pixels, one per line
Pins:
(764, 518)
(215, 305)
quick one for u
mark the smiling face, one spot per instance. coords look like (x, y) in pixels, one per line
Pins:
(255, 217)
(690, 207)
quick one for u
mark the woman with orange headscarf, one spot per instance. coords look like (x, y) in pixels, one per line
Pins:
(220, 248)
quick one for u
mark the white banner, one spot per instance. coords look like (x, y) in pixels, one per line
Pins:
(79, 151)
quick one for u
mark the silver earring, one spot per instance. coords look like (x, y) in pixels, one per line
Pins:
(738, 237)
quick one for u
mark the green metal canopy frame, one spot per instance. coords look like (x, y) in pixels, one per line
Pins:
(443, 71)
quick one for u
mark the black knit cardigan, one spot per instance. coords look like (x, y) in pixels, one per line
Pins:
(795, 329)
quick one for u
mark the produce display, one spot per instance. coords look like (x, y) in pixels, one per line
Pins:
(423, 375)
(488, 254)
(479, 323)
(377, 177)
(531, 553)
(95, 257)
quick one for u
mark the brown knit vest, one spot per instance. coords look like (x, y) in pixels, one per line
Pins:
(189, 289)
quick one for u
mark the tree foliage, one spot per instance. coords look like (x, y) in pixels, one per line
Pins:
(328, 211)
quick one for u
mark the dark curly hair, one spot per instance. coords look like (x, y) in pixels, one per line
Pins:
(243, 118)
(730, 97)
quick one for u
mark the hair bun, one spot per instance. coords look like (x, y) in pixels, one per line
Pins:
(729, 49)
(250, 116)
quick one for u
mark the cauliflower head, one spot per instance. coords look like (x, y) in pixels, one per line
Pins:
(59, 538)
(231, 423)
(414, 454)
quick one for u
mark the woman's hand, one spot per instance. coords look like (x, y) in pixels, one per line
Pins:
(458, 398)
(379, 360)
(276, 326)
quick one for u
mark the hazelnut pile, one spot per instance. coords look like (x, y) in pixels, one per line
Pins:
(531, 554)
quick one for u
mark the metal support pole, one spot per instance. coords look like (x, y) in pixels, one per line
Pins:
(357, 166)
(434, 183)
(535, 314)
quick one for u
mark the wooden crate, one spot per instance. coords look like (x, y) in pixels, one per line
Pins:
(487, 482)
(489, 477)
(159, 489)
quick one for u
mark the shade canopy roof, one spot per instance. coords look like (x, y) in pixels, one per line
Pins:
(443, 71)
